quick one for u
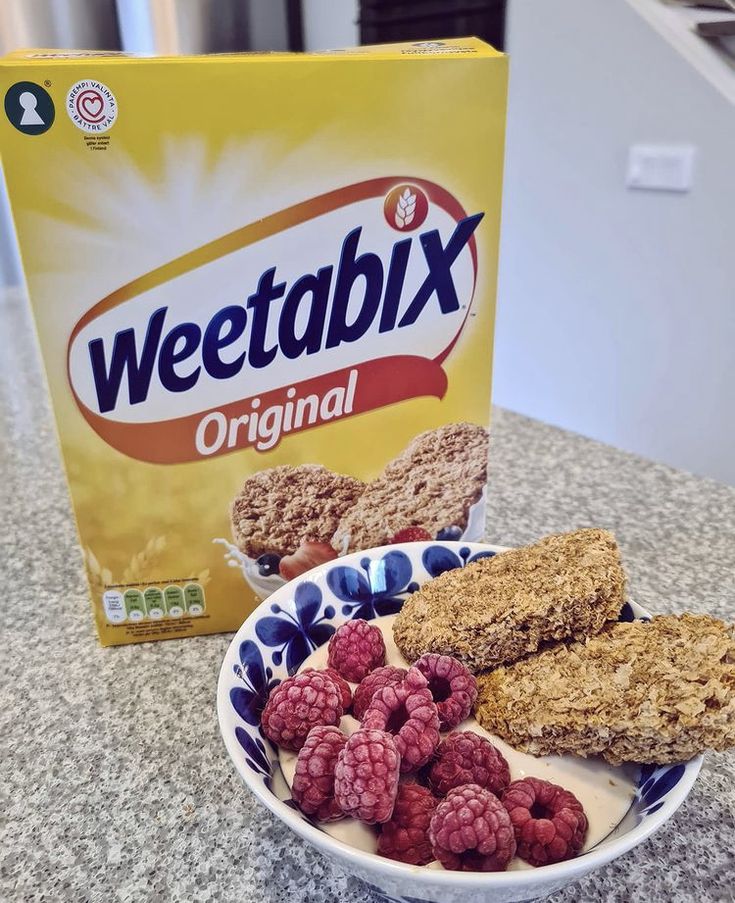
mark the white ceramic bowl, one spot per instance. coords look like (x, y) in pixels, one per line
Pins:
(302, 615)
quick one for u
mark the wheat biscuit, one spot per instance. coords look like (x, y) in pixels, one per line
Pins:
(278, 509)
(498, 609)
(431, 484)
(652, 692)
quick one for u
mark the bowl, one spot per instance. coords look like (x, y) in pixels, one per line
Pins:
(301, 616)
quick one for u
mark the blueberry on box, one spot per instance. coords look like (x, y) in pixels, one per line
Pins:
(268, 564)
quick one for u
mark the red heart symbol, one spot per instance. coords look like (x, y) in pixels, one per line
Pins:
(92, 105)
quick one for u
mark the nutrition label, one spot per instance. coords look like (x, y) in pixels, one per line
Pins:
(153, 603)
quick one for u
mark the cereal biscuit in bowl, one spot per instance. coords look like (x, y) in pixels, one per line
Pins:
(659, 692)
(499, 609)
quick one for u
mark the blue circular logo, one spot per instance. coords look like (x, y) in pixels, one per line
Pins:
(29, 108)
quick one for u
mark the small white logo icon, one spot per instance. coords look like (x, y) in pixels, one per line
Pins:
(91, 106)
(30, 115)
(405, 209)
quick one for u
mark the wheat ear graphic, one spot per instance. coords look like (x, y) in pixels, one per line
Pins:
(405, 209)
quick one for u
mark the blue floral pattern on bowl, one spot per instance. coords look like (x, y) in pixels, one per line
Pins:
(377, 589)
(299, 633)
(654, 782)
(302, 616)
(438, 559)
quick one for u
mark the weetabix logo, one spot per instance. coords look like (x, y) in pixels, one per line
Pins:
(317, 312)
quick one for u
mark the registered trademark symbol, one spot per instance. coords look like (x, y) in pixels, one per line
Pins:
(47, 83)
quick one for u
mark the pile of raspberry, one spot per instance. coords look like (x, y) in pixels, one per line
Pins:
(429, 797)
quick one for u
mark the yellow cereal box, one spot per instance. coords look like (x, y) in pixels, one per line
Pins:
(264, 288)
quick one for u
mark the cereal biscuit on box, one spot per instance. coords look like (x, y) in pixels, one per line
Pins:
(657, 692)
(277, 509)
(431, 484)
(498, 609)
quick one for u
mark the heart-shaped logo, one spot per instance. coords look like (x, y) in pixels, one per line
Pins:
(91, 105)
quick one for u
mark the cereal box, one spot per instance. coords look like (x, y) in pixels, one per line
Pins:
(264, 289)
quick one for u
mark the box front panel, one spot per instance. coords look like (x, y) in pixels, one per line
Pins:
(248, 265)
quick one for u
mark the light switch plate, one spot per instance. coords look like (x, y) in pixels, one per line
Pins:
(660, 167)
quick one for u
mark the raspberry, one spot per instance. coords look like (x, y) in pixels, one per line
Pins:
(411, 534)
(298, 704)
(452, 685)
(465, 757)
(549, 821)
(406, 836)
(313, 782)
(355, 649)
(407, 711)
(471, 831)
(343, 686)
(366, 776)
(380, 677)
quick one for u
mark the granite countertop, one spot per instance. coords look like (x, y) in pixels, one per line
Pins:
(116, 784)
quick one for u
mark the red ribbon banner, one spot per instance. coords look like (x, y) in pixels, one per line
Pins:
(261, 421)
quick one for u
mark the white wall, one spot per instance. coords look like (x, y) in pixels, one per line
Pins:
(46, 23)
(616, 313)
(330, 24)
(57, 23)
(163, 27)
(10, 269)
(268, 25)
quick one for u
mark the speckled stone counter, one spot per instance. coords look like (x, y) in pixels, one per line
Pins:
(115, 783)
